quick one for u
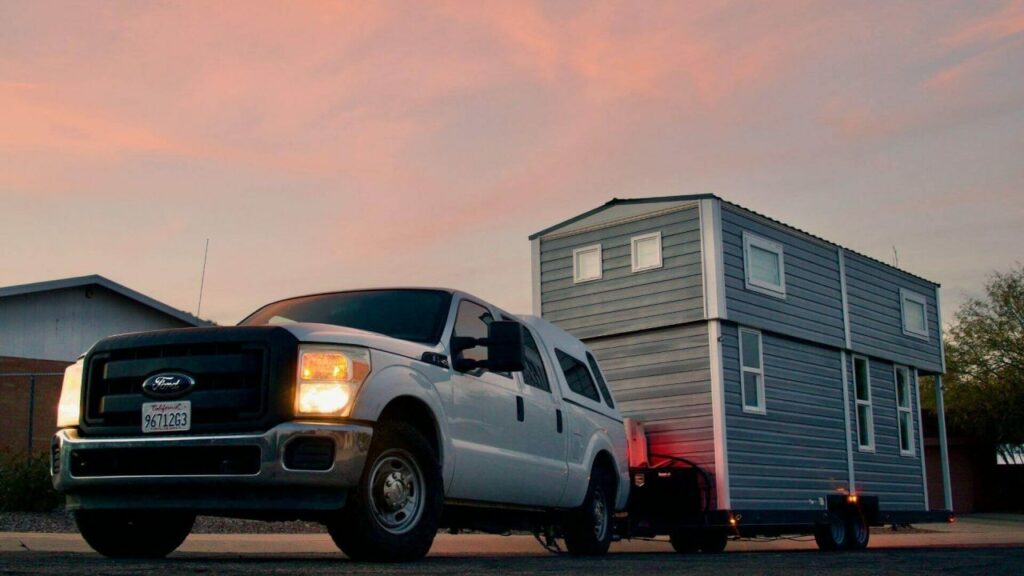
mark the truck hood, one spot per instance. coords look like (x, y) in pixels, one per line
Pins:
(331, 334)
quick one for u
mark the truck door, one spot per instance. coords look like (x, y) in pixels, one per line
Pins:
(545, 427)
(484, 422)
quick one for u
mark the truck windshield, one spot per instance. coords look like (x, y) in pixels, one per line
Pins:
(415, 315)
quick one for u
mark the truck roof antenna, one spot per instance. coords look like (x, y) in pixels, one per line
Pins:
(202, 278)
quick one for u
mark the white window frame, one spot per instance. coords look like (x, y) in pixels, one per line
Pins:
(576, 259)
(760, 408)
(633, 252)
(870, 446)
(906, 295)
(776, 290)
(908, 410)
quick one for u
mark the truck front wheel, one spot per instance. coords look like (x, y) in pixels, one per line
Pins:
(134, 533)
(394, 513)
(588, 529)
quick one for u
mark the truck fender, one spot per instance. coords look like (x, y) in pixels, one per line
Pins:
(398, 380)
(579, 473)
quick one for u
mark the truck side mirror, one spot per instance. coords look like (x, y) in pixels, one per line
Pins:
(505, 347)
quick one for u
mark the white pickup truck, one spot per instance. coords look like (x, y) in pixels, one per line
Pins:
(386, 414)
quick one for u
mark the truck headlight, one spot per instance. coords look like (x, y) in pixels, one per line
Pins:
(328, 379)
(69, 408)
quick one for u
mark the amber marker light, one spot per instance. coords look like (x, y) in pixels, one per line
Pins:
(852, 498)
(328, 379)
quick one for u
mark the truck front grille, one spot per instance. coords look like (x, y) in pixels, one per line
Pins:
(244, 378)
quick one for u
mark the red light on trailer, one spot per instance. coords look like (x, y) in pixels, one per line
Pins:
(952, 519)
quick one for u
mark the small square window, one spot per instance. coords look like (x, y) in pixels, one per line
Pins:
(646, 251)
(764, 264)
(915, 314)
(586, 264)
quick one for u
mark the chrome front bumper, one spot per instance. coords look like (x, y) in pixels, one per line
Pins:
(273, 486)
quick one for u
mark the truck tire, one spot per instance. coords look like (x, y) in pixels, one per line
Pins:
(588, 529)
(134, 533)
(832, 535)
(393, 515)
(857, 532)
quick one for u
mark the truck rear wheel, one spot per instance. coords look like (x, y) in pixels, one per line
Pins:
(393, 515)
(832, 535)
(134, 533)
(588, 529)
(685, 541)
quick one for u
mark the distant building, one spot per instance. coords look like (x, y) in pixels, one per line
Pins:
(60, 319)
(44, 327)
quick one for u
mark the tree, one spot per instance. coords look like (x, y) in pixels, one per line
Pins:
(984, 381)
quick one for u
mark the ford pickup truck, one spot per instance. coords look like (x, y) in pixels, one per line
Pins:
(385, 414)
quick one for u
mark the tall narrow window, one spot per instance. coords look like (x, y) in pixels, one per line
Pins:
(646, 251)
(752, 371)
(904, 416)
(915, 314)
(764, 266)
(586, 264)
(865, 415)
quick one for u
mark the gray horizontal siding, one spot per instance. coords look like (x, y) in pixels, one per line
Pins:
(895, 479)
(795, 453)
(876, 315)
(812, 309)
(622, 300)
(662, 378)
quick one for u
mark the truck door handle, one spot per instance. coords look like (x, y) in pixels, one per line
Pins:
(558, 420)
(520, 409)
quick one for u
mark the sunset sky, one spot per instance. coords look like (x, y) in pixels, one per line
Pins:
(326, 146)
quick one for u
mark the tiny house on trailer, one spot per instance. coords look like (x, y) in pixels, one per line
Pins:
(781, 364)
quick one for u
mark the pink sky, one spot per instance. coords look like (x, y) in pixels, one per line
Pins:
(338, 145)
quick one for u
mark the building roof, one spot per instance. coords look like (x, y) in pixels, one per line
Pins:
(97, 280)
(695, 197)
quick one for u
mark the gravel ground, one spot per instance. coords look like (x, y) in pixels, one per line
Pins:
(62, 522)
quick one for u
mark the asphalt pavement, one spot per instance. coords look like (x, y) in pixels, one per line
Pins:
(978, 545)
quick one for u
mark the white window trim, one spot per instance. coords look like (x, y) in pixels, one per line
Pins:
(575, 263)
(778, 291)
(909, 409)
(633, 253)
(870, 447)
(920, 299)
(761, 403)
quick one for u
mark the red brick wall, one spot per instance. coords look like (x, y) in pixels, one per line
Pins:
(14, 402)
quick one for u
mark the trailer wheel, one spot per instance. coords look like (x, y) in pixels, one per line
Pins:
(857, 532)
(588, 529)
(713, 541)
(134, 533)
(831, 535)
(394, 514)
(685, 541)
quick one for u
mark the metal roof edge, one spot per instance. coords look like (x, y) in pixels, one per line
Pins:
(77, 281)
(617, 201)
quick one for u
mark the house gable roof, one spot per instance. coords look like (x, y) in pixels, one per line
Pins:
(97, 280)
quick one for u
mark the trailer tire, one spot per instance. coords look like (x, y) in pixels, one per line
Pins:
(394, 513)
(713, 541)
(857, 532)
(588, 529)
(832, 535)
(685, 541)
(134, 533)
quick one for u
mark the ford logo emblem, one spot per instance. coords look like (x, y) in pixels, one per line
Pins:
(167, 384)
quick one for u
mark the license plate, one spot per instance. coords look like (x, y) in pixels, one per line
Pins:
(166, 416)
